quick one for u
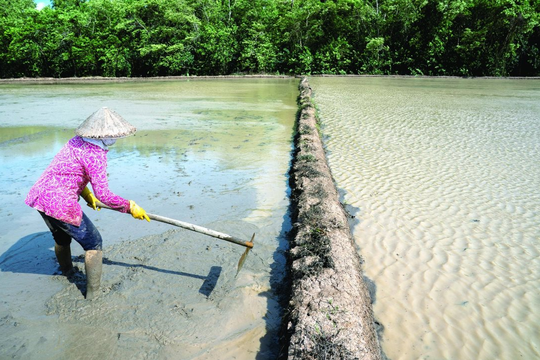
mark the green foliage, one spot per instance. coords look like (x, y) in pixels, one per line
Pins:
(210, 37)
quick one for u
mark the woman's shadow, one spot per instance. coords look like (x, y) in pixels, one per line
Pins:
(34, 254)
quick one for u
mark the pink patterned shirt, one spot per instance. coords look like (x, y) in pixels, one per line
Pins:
(57, 191)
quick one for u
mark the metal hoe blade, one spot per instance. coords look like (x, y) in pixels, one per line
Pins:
(244, 256)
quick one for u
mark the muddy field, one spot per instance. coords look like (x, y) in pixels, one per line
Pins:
(173, 295)
(214, 153)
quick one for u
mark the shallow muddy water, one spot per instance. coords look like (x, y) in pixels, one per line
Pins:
(211, 152)
(443, 178)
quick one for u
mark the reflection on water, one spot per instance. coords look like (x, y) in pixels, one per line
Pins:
(194, 137)
(205, 151)
(444, 175)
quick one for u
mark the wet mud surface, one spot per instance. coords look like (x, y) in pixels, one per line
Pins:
(172, 295)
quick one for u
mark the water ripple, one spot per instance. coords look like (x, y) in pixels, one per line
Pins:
(444, 173)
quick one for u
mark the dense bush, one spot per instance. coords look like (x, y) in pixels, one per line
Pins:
(210, 37)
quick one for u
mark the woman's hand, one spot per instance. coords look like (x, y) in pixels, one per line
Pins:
(90, 199)
(137, 212)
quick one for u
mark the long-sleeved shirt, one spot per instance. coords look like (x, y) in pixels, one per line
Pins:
(57, 191)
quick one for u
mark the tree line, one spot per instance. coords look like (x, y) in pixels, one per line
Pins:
(139, 38)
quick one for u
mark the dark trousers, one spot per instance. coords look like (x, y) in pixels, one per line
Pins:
(86, 234)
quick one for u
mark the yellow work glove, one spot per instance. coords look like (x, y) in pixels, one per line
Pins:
(90, 199)
(137, 212)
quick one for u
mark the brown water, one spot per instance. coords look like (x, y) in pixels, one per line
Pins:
(443, 178)
(214, 153)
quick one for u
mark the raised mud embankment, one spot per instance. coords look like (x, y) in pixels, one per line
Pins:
(329, 314)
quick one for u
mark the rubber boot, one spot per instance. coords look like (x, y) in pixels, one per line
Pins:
(93, 263)
(63, 255)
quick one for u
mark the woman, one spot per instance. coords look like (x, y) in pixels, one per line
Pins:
(55, 195)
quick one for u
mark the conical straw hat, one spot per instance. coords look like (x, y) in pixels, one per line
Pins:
(105, 123)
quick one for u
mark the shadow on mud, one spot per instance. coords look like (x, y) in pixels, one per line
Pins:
(32, 254)
(272, 346)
